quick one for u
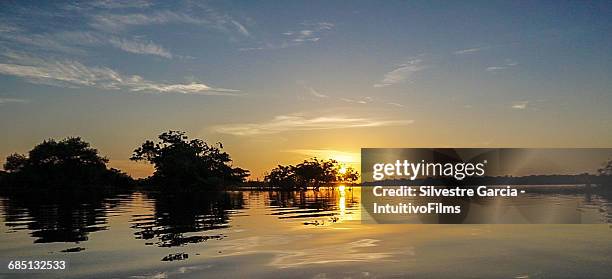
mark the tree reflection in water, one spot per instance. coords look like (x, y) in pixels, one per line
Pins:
(311, 204)
(178, 215)
(59, 215)
(177, 218)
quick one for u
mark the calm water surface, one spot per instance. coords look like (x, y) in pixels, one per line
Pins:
(259, 234)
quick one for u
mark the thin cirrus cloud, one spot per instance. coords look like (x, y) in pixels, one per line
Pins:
(520, 105)
(114, 22)
(284, 123)
(508, 64)
(316, 93)
(310, 33)
(108, 23)
(363, 101)
(39, 41)
(119, 22)
(140, 47)
(311, 91)
(369, 100)
(12, 100)
(395, 104)
(468, 50)
(359, 100)
(74, 74)
(241, 28)
(51, 55)
(401, 74)
(73, 42)
(110, 4)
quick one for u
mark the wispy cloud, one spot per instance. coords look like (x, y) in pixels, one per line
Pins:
(520, 105)
(107, 22)
(401, 74)
(311, 33)
(79, 42)
(316, 93)
(117, 22)
(284, 123)
(46, 42)
(395, 104)
(84, 6)
(114, 4)
(7, 28)
(216, 19)
(241, 28)
(508, 64)
(12, 100)
(310, 91)
(197, 14)
(362, 101)
(69, 73)
(370, 100)
(358, 100)
(55, 54)
(469, 50)
(136, 83)
(140, 47)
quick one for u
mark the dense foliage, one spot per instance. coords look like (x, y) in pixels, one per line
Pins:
(310, 173)
(68, 162)
(182, 162)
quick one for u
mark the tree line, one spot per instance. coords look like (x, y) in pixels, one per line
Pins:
(179, 163)
(310, 173)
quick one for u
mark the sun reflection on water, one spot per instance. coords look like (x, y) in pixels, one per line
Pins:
(342, 202)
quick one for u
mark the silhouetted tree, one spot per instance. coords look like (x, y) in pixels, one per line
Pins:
(68, 162)
(315, 172)
(282, 177)
(349, 175)
(15, 162)
(310, 173)
(183, 162)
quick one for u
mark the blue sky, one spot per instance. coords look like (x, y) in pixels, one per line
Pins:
(278, 81)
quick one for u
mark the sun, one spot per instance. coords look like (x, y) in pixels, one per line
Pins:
(342, 170)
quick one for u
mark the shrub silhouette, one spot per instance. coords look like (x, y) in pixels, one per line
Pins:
(310, 173)
(68, 162)
(181, 162)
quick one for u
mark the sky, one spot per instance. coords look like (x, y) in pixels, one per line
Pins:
(281, 81)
